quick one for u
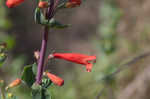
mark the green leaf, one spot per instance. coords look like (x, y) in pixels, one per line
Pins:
(3, 54)
(34, 68)
(10, 40)
(3, 57)
(39, 93)
(36, 91)
(46, 82)
(39, 17)
(28, 76)
(55, 24)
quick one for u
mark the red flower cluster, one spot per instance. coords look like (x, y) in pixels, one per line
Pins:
(73, 3)
(55, 79)
(76, 58)
(13, 3)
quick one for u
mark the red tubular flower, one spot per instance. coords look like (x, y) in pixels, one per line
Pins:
(13, 3)
(55, 79)
(77, 58)
(73, 3)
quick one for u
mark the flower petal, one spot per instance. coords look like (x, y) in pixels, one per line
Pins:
(76, 58)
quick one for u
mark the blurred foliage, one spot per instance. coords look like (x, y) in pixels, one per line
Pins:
(11, 65)
(5, 24)
(109, 17)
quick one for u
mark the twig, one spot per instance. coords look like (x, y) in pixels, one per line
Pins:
(100, 93)
(122, 67)
(130, 62)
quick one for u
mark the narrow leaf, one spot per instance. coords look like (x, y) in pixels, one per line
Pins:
(55, 24)
(39, 17)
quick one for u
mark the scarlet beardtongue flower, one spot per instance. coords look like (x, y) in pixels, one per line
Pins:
(13, 3)
(73, 3)
(55, 79)
(76, 58)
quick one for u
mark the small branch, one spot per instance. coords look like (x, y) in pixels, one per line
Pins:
(100, 93)
(122, 67)
(130, 62)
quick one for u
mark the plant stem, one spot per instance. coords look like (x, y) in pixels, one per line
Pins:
(48, 15)
(42, 55)
(2, 94)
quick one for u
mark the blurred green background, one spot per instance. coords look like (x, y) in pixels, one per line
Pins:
(115, 31)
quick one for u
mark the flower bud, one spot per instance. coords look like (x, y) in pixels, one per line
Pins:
(55, 79)
(14, 83)
(13, 3)
(73, 3)
(37, 54)
(43, 4)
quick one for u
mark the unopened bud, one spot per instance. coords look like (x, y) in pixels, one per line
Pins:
(14, 83)
(13, 3)
(43, 4)
(73, 3)
(37, 54)
(55, 79)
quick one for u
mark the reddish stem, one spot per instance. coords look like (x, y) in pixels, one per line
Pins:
(49, 15)
(42, 55)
